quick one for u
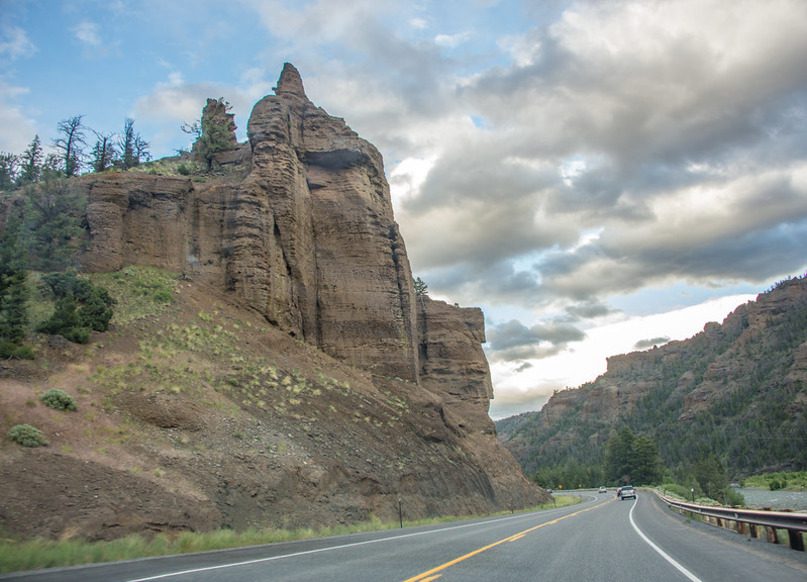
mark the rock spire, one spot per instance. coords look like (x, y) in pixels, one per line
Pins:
(290, 82)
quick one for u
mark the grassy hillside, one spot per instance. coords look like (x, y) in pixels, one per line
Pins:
(193, 413)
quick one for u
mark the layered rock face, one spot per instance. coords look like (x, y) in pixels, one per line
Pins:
(305, 235)
(342, 262)
(452, 361)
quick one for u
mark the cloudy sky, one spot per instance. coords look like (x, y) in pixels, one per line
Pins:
(600, 177)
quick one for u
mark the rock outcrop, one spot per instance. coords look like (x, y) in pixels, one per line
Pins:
(364, 392)
(452, 361)
(307, 237)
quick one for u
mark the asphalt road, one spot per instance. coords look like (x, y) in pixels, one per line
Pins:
(601, 539)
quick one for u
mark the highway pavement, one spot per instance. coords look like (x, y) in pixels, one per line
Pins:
(600, 539)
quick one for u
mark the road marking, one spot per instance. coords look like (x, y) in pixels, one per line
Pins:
(661, 552)
(516, 536)
(328, 549)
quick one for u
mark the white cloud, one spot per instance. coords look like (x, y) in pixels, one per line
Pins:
(406, 178)
(418, 23)
(18, 129)
(320, 21)
(15, 43)
(88, 33)
(523, 49)
(452, 40)
(174, 102)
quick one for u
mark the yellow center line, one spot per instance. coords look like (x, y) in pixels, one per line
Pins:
(425, 576)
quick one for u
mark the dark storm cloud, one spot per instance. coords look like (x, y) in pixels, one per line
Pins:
(614, 117)
(649, 343)
(648, 114)
(513, 341)
(480, 171)
(588, 310)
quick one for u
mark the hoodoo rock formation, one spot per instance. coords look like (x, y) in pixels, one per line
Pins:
(307, 238)
(296, 231)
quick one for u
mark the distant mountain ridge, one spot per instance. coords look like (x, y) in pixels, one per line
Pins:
(737, 390)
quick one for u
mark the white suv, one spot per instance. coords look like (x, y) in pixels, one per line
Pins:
(626, 492)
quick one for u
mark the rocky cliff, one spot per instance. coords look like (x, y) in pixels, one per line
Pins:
(307, 238)
(294, 325)
(737, 389)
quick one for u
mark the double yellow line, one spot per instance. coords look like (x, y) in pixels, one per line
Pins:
(430, 575)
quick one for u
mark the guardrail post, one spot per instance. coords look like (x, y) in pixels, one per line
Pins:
(772, 535)
(752, 530)
(796, 541)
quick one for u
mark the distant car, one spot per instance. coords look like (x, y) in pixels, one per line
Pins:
(626, 492)
(602, 490)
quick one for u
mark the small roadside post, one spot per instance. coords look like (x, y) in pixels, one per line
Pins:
(400, 511)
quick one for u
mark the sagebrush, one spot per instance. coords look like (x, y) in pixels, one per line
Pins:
(27, 435)
(58, 399)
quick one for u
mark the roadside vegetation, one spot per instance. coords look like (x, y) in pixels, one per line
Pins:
(39, 553)
(635, 459)
(787, 480)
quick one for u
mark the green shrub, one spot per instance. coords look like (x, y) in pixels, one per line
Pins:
(58, 399)
(9, 349)
(734, 498)
(138, 291)
(80, 307)
(27, 435)
(679, 490)
(183, 170)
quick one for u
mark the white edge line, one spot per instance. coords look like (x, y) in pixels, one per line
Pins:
(328, 549)
(661, 552)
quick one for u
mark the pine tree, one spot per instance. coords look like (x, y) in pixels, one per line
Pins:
(31, 163)
(70, 144)
(13, 292)
(420, 287)
(646, 461)
(619, 456)
(52, 214)
(132, 149)
(80, 307)
(9, 166)
(103, 153)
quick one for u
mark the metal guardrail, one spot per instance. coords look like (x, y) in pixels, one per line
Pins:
(747, 520)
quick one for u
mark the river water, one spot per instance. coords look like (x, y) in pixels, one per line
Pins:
(759, 498)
